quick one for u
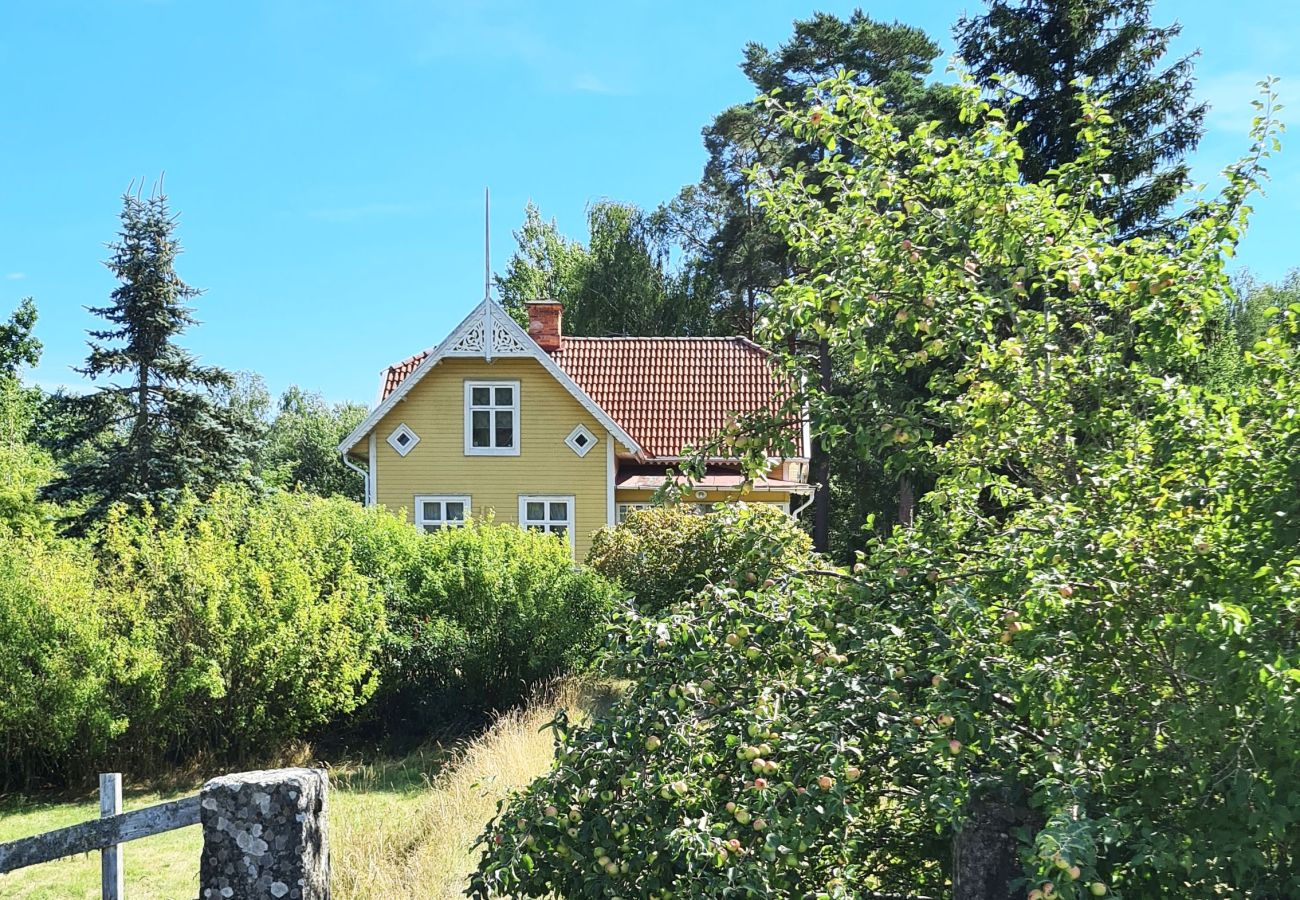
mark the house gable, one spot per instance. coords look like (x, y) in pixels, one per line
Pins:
(488, 333)
(544, 465)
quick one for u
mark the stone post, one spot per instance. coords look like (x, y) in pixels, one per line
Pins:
(265, 836)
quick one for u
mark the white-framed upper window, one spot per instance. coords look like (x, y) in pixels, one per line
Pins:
(580, 440)
(554, 515)
(492, 418)
(432, 513)
(403, 439)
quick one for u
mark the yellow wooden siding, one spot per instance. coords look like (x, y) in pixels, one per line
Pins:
(435, 410)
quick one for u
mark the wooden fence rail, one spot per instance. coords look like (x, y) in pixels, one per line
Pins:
(264, 835)
(99, 834)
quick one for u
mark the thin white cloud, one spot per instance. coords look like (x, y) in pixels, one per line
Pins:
(15, 276)
(345, 214)
(493, 31)
(1230, 95)
(591, 84)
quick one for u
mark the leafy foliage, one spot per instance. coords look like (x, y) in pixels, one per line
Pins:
(24, 467)
(665, 554)
(162, 432)
(232, 627)
(1043, 50)
(1090, 627)
(299, 449)
(719, 220)
(59, 660)
(260, 621)
(479, 614)
(620, 283)
(18, 346)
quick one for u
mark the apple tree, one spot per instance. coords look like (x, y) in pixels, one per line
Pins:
(1077, 673)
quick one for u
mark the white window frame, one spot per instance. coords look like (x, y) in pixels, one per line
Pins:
(548, 523)
(403, 429)
(442, 500)
(470, 449)
(628, 506)
(581, 449)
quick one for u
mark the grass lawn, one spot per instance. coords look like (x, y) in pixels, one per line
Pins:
(399, 828)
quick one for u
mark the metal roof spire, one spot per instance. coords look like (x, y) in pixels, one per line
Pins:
(487, 245)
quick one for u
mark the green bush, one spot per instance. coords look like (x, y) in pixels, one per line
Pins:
(477, 614)
(234, 626)
(59, 660)
(666, 553)
(261, 621)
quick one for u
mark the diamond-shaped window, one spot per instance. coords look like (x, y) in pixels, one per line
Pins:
(580, 440)
(403, 439)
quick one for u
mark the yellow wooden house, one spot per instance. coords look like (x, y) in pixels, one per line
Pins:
(561, 434)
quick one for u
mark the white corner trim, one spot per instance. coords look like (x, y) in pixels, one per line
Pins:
(372, 489)
(610, 509)
(510, 331)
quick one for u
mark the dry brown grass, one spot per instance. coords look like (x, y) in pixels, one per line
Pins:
(418, 844)
(399, 828)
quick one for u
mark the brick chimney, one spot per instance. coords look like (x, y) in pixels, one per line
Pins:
(544, 317)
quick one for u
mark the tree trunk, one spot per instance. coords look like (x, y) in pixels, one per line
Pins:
(143, 448)
(820, 463)
(985, 861)
(906, 502)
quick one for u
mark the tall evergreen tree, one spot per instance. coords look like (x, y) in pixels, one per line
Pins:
(161, 430)
(717, 221)
(1039, 50)
(720, 218)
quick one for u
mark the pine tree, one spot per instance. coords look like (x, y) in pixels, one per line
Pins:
(147, 440)
(718, 221)
(1039, 50)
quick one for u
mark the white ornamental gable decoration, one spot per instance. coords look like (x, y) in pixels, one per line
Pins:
(471, 342)
(490, 334)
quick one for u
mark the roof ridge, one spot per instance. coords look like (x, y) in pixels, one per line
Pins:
(667, 337)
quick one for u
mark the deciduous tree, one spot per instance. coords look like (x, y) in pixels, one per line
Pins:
(1079, 666)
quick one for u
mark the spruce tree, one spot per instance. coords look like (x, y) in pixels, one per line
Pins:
(159, 429)
(1040, 50)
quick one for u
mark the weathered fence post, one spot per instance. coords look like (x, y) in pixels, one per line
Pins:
(265, 836)
(110, 858)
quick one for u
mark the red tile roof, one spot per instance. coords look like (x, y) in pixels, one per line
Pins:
(397, 372)
(667, 393)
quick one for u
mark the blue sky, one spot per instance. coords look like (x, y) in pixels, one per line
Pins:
(328, 159)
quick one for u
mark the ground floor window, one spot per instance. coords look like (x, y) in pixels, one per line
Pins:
(553, 515)
(432, 513)
(625, 508)
(698, 509)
